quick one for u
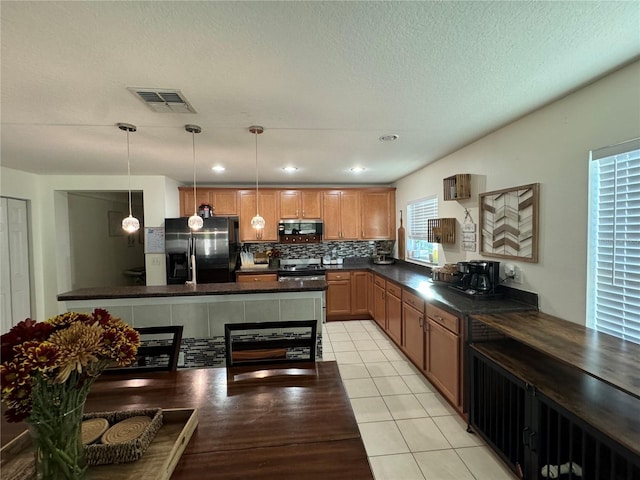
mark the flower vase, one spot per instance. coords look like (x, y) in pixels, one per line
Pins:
(55, 427)
(274, 262)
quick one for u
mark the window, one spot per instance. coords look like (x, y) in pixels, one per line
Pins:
(418, 212)
(613, 276)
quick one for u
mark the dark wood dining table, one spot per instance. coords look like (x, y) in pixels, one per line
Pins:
(286, 421)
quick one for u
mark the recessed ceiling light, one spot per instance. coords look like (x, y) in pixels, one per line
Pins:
(388, 138)
(218, 168)
(290, 169)
(357, 169)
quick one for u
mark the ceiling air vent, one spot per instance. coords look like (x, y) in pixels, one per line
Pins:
(163, 100)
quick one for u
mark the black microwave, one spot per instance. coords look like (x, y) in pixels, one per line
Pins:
(300, 231)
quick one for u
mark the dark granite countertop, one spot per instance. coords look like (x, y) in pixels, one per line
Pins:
(191, 291)
(418, 279)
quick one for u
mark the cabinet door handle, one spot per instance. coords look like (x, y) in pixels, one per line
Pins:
(525, 436)
(420, 320)
(533, 444)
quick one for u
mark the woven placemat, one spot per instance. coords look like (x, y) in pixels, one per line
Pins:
(92, 429)
(126, 430)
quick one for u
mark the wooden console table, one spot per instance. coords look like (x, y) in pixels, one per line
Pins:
(547, 394)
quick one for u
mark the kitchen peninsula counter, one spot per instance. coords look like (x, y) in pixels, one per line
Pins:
(230, 288)
(204, 309)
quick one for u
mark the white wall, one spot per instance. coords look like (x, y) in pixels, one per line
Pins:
(50, 225)
(551, 147)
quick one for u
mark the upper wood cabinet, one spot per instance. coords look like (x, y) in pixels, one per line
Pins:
(340, 215)
(268, 210)
(299, 204)
(347, 214)
(223, 200)
(378, 214)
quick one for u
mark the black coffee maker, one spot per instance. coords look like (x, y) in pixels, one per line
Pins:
(484, 276)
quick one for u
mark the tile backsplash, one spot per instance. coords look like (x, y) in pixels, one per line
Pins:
(364, 249)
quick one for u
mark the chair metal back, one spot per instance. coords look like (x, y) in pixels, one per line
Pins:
(154, 354)
(256, 346)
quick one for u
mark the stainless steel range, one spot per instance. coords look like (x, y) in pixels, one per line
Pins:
(301, 269)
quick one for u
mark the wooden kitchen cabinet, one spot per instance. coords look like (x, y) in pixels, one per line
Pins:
(370, 293)
(443, 353)
(379, 303)
(347, 295)
(393, 305)
(256, 277)
(223, 200)
(413, 336)
(338, 295)
(378, 218)
(359, 298)
(300, 204)
(340, 214)
(268, 210)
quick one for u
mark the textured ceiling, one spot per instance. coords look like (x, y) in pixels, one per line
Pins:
(325, 79)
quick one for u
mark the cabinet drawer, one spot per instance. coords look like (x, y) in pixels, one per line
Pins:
(414, 300)
(338, 276)
(394, 290)
(261, 277)
(379, 281)
(444, 318)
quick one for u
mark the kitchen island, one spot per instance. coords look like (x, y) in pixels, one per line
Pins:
(203, 310)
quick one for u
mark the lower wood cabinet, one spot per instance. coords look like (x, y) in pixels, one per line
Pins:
(338, 295)
(359, 296)
(394, 311)
(413, 334)
(256, 277)
(443, 353)
(379, 303)
(370, 293)
(347, 295)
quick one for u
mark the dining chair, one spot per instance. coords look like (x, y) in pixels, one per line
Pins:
(158, 351)
(263, 343)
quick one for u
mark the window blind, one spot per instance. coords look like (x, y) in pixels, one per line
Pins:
(419, 212)
(613, 305)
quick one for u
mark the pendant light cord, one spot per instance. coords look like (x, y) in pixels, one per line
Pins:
(257, 192)
(193, 144)
(129, 171)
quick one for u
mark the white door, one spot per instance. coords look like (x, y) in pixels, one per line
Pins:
(15, 290)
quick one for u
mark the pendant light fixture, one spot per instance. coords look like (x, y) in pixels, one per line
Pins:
(131, 223)
(195, 221)
(257, 222)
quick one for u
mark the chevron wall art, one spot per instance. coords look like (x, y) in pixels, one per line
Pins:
(509, 223)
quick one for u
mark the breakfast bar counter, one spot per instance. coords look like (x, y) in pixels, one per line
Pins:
(204, 309)
(231, 288)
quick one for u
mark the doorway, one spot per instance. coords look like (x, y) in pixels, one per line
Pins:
(102, 254)
(15, 255)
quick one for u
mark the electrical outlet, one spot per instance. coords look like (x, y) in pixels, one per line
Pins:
(517, 276)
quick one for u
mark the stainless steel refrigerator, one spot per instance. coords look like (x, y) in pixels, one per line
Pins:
(216, 249)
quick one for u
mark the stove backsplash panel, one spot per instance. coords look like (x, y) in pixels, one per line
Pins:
(363, 249)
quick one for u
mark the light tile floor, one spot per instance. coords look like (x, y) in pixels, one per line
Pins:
(408, 429)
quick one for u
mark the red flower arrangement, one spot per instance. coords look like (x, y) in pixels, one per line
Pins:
(64, 355)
